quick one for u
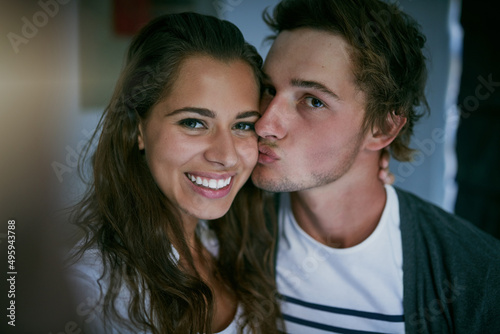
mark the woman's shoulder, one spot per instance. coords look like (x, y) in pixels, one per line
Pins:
(86, 265)
(89, 283)
(83, 273)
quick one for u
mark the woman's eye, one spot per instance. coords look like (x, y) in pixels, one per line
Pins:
(191, 123)
(314, 102)
(245, 126)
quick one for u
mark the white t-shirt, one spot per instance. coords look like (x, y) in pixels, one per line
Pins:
(86, 272)
(329, 290)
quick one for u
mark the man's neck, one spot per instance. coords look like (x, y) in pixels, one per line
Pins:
(343, 213)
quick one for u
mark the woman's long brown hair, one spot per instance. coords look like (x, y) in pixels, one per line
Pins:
(133, 225)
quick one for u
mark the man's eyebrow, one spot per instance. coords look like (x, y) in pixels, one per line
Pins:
(313, 85)
(201, 111)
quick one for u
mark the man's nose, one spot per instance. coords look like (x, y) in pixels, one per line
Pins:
(271, 124)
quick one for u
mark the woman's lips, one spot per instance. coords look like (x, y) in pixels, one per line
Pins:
(211, 186)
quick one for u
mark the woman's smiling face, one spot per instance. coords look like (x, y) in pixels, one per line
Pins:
(199, 141)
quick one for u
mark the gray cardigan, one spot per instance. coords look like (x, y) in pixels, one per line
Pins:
(451, 271)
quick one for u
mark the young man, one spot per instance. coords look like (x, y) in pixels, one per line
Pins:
(346, 78)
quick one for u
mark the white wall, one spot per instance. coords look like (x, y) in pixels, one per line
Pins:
(431, 173)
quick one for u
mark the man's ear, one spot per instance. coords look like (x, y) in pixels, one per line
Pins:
(140, 139)
(379, 139)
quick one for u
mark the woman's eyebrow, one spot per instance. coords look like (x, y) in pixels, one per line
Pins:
(247, 114)
(201, 111)
(209, 113)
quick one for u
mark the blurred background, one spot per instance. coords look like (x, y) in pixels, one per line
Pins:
(59, 61)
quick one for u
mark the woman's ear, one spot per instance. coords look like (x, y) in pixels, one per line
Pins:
(379, 139)
(140, 139)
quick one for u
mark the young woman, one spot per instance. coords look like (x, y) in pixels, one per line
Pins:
(175, 237)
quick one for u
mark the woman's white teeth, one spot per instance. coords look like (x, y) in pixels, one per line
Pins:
(210, 183)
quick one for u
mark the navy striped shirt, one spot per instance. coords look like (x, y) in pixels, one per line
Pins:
(351, 290)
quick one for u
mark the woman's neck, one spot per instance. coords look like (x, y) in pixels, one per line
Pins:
(205, 265)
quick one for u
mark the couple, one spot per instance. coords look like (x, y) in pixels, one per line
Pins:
(178, 240)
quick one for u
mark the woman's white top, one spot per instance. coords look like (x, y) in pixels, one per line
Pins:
(84, 276)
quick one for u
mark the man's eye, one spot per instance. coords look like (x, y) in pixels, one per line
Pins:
(314, 102)
(245, 126)
(191, 123)
(269, 90)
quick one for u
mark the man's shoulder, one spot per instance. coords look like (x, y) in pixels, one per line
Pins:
(422, 219)
(410, 204)
(444, 255)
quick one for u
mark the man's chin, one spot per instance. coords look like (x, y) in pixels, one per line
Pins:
(272, 184)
